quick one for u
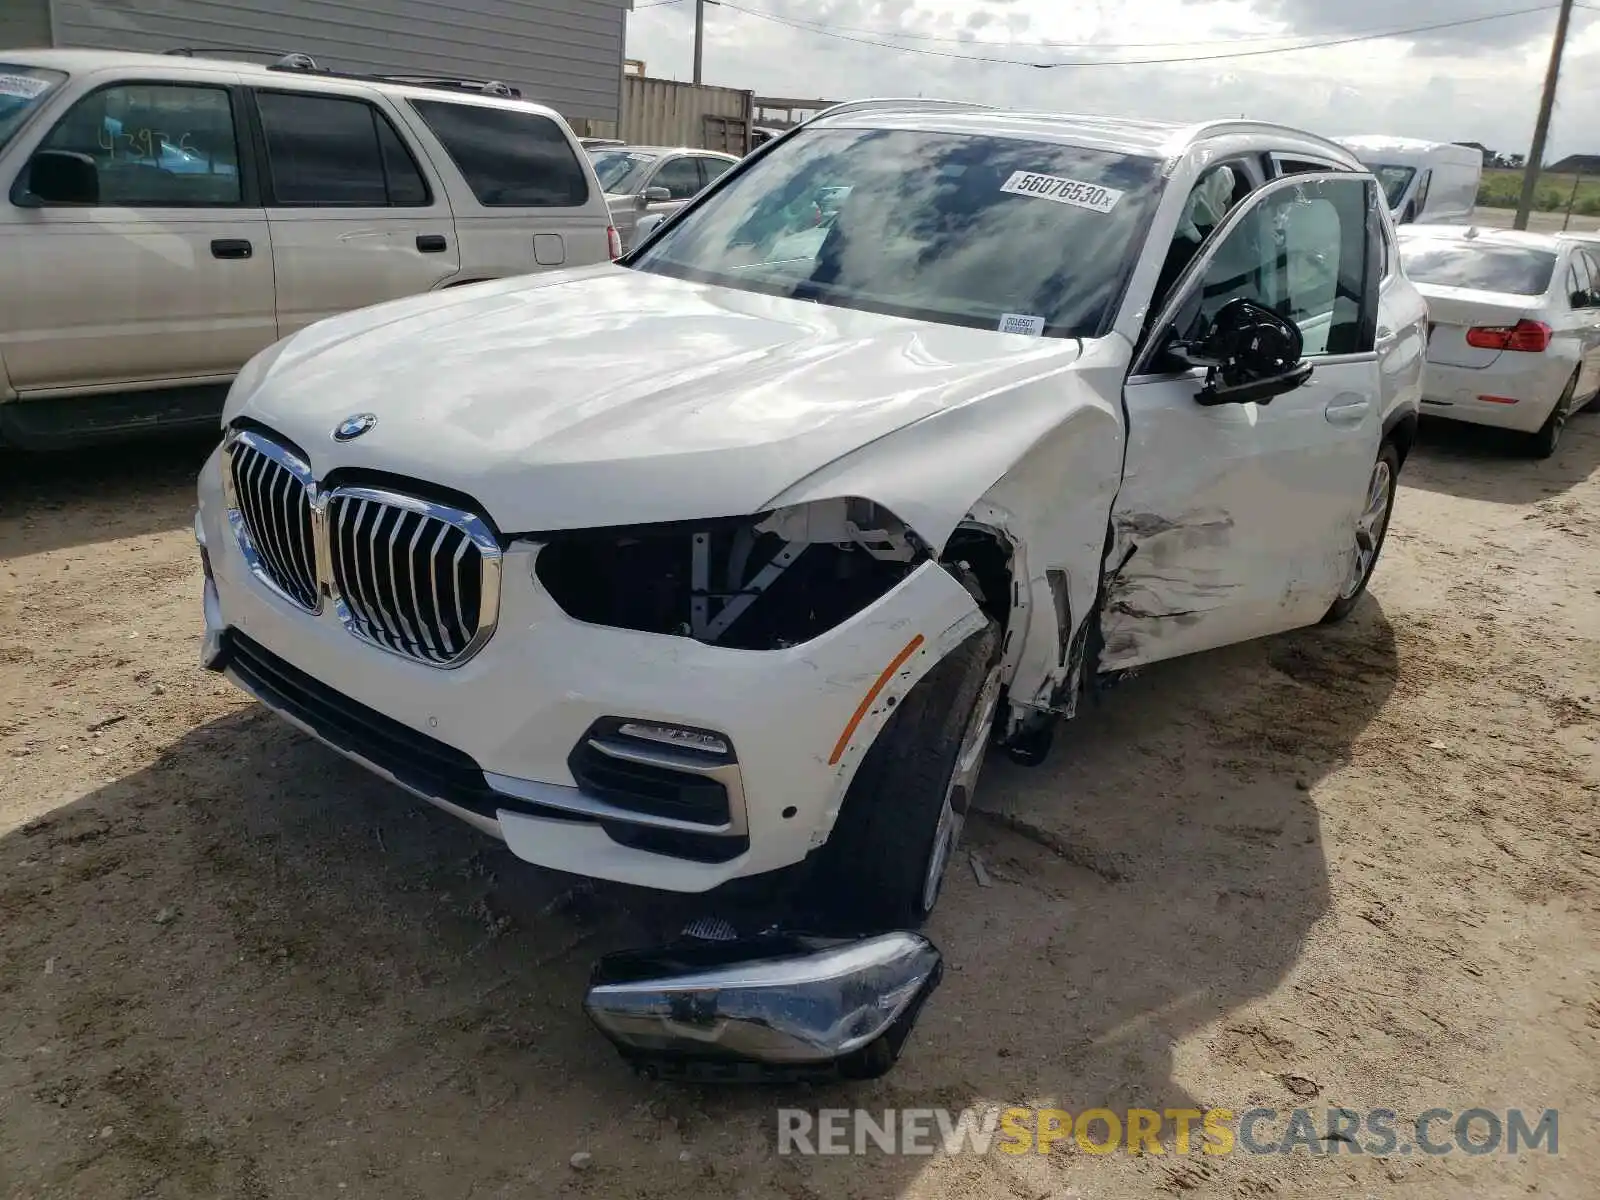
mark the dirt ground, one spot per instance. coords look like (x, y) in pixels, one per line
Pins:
(1354, 867)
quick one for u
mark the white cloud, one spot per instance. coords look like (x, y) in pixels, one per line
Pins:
(1477, 82)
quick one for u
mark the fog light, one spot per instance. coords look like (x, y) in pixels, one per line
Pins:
(673, 735)
(776, 1008)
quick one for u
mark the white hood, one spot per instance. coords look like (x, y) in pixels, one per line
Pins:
(608, 396)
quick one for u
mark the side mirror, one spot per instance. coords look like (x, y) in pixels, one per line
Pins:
(63, 177)
(1580, 299)
(1250, 353)
(654, 195)
(778, 1007)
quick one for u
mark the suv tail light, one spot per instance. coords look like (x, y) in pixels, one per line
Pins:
(613, 241)
(1532, 337)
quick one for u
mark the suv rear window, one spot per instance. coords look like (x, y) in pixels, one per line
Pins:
(510, 159)
(1514, 270)
(991, 232)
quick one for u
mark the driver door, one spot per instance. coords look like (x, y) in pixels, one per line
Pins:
(1236, 521)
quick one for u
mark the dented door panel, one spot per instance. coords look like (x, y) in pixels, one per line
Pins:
(1234, 522)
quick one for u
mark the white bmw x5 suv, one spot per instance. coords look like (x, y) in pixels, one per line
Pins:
(733, 557)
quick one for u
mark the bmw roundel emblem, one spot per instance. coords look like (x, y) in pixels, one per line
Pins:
(354, 426)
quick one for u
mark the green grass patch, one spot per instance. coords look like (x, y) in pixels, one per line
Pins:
(1503, 189)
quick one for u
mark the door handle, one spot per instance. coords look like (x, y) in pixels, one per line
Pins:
(231, 248)
(1348, 412)
(431, 243)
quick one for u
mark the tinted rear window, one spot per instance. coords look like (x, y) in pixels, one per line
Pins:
(330, 151)
(510, 159)
(1515, 270)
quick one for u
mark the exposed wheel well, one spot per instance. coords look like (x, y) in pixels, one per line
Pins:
(1404, 435)
(982, 559)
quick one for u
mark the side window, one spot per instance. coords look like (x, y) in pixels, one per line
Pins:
(1594, 277)
(509, 158)
(156, 145)
(327, 151)
(1304, 250)
(1422, 190)
(712, 169)
(1214, 194)
(681, 178)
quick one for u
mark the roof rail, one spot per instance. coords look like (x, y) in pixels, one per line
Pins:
(889, 102)
(201, 51)
(304, 63)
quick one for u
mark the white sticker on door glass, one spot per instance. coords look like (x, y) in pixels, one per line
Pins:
(25, 86)
(1062, 190)
(1022, 323)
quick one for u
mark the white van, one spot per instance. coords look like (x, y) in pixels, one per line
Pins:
(165, 217)
(1426, 182)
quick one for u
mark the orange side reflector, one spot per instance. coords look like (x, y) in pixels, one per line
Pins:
(872, 694)
(1497, 399)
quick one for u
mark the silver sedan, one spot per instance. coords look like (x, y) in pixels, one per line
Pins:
(653, 179)
(1513, 326)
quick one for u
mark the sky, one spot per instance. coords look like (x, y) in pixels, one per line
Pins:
(1477, 81)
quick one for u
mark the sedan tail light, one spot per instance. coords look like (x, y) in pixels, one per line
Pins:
(613, 241)
(1529, 336)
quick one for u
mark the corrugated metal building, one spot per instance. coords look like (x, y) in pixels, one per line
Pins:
(564, 53)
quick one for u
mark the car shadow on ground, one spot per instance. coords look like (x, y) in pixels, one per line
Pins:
(270, 973)
(113, 491)
(1475, 462)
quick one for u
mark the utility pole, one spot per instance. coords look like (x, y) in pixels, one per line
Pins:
(700, 34)
(1541, 127)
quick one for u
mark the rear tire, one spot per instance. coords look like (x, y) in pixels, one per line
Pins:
(901, 820)
(1543, 444)
(1372, 530)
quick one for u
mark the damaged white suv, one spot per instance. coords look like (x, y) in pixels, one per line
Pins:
(736, 555)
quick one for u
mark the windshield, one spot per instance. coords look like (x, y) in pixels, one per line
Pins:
(22, 90)
(990, 232)
(1394, 181)
(1515, 270)
(619, 170)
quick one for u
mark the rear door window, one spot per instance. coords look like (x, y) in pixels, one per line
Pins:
(712, 169)
(509, 158)
(329, 151)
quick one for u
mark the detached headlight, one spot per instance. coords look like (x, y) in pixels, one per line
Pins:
(780, 1006)
(752, 583)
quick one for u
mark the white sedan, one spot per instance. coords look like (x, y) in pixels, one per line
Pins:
(1514, 326)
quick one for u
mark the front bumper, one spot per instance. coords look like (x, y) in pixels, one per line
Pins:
(1526, 386)
(491, 741)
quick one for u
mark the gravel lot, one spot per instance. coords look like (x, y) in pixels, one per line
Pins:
(1356, 867)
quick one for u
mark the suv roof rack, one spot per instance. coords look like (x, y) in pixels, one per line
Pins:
(902, 104)
(306, 65)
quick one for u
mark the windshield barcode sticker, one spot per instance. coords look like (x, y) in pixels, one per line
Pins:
(1063, 191)
(25, 86)
(1022, 323)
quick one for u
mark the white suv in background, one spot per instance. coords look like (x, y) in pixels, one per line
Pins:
(164, 217)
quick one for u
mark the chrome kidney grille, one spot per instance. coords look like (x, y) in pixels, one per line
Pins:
(412, 577)
(270, 494)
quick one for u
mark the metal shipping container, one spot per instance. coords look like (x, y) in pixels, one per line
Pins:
(664, 112)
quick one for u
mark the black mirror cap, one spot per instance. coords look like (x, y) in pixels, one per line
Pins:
(1251, 355)
(774, 1008)
(63, 177)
